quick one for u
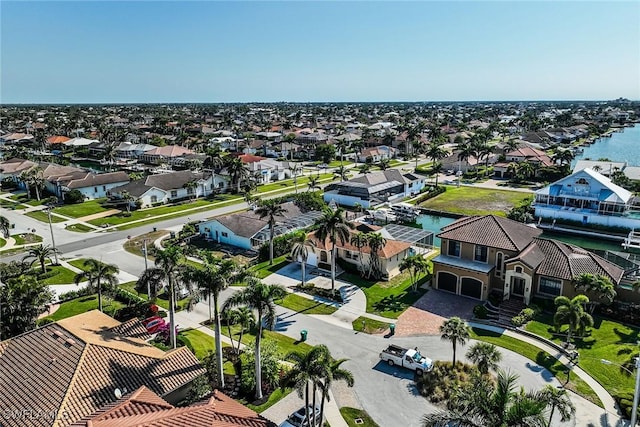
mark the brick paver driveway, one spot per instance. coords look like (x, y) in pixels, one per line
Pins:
(428, 313)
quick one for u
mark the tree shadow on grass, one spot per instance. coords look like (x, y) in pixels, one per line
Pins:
(628, 338)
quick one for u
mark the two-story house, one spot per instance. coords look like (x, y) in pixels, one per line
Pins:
(484, 254)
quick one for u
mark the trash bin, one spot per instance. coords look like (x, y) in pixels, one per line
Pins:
(303, 335)
(392, 328)
(172, 235)
(155, 229)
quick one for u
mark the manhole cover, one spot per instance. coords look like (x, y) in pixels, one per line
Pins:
(358, 421)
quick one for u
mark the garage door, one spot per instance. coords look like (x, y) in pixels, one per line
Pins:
(471, 287)
(447, 282)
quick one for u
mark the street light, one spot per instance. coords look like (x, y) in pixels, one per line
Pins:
(53, 242)
(146, 267)
(636, 393)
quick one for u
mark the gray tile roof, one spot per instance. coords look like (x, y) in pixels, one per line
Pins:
(164, 181)
(492, 231)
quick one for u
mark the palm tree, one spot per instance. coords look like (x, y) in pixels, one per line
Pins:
(5, 225)
(270, 209)
(308, 369)
(436, 168)
(213, 161)
(335, 227)
(342, 173)
(598, 284)
(334, 373)
(214, 276)
(237, 170)
(384, 164)
(127, 198)
(359, 240)
(98, 274)
(365, 168)
(168, 272)
(191, 186)
(571, 312)
(558, 399)
(466, 151)
(259, 297)
(295, 169)
(488, 405)
(526, 169)
(416, 264)
(312, 183)
(456, 331)
(435, 152)
(41, 254)
(376, 242)
(486, 356)
(301, 245)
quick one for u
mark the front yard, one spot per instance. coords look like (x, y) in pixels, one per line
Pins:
(475, 201)
(79, 210)
(83, 304)
(305, 305)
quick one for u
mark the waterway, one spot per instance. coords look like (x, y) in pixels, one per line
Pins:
(434, 223)
(620, 147)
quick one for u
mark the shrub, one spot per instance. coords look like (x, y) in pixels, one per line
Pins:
(281, 246)
(480, 311)
(625, 402)
(518, 320)
(441, 383)
(73, 197)
(525, 315)
(433, 193)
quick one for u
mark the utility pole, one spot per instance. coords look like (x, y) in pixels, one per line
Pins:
(146, 267)
(53, 242)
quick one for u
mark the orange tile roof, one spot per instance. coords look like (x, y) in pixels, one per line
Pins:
(57, 139)
(143, 408)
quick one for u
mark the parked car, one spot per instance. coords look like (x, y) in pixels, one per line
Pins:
(298, 418)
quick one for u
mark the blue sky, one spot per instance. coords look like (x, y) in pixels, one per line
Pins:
(215, 51)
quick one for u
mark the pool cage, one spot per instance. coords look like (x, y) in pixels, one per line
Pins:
(286, 225)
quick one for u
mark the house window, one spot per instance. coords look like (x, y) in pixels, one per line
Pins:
(518, 269)
(154, 199)
(174, 193)
(104, 188)
(453, 248)
(499, 264)
(550, 286)
(480, 254)
(225, 234)
(189, 190)
(95, 189)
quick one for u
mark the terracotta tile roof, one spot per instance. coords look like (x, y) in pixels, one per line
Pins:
(565, 261)
(492, 231)
(250, 158)
(169, 151)
(57, 139)
(145, 409)
(73, 367)
(391, 248)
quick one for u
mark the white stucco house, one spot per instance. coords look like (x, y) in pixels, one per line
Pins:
(588, 197)
(375, 188)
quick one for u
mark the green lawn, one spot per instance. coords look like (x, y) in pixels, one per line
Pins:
(62, 276)
(263, 269)
(305, 305)
(83, 304)
(79, 210)
(369, 326)
(23, 239)
(284, 343)
(475, 201)
(43, 217)
(607, 340)
(2, 242)
(388, 299)
(161, 301)
(78, 263)
(201, 344)
(287, 184)
(273, 399)
(338, 163)
(351, 414)
(149, 213)
(79, 228)
(540, 357)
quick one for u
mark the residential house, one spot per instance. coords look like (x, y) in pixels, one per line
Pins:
(375, 188)
(390, 256)
(485, 254)
(145, 408)
(524, 153)
(453, 163)
(130, 150)
(247, 230)
(69, 369)
(376, 154)
(166, 154)
(588, 197)
(171, 187)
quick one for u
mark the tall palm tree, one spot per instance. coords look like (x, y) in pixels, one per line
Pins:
(600, 285)
(342, 173)
(5, 225)
(301, 245)
(312, 183)
(295, 170)
(456, 331)
(333, 226)
(359, 240)
(308, 369)
(384, 164)
(127, 198)
(488, 405)
(41, 254)
(558, 399)
(213, 161)
(486, 356)
(212, 277)
(236, 170)
(191, 187)
(259, 297)
(526, 169)
(98, 274)
(436, 169)
(334, 373)
(465, 152)
(271, 210)
(435, 151)
(376, 242)
(571, 312)
(416, 264)
(168, 272)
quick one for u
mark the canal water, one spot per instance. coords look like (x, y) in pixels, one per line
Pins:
(434, 223)
(620, 147)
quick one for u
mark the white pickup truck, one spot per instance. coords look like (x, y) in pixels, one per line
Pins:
(407, 358)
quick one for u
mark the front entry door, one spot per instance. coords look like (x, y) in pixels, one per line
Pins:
(517, 286)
